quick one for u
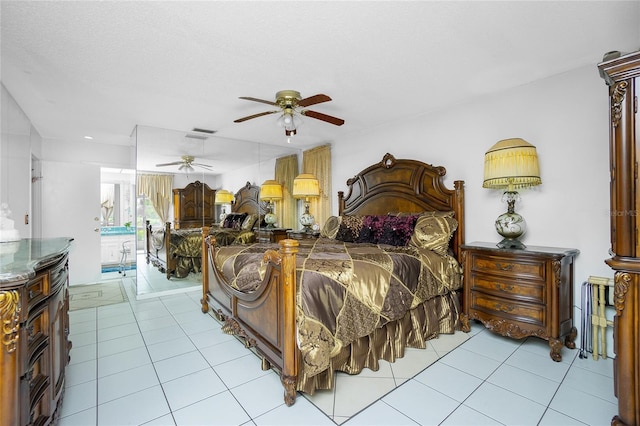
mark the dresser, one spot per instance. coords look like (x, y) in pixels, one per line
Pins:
(194, 206)
(271, 235)
(521, 293)
(622, 77)
(34, 350)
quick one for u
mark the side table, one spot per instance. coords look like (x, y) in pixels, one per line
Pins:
(520, 293)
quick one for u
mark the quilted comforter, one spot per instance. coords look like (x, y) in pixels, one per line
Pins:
(185, 245)
(346, 290)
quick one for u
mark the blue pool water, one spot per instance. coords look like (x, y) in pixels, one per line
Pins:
(117, 230)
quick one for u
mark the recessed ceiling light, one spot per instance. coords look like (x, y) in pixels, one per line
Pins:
(89, 137)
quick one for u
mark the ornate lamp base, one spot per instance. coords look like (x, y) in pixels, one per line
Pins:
(510, 224)
(270, 219)
(307, 220)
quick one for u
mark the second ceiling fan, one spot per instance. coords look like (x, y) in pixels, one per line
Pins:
(290, 104)
(186, 163)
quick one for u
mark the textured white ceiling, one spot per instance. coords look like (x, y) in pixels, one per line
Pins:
(102, 67)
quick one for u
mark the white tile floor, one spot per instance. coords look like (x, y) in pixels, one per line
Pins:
(160, 361)
(151, 281)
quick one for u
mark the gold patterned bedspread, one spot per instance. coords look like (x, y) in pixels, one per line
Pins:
(346, 290)
(186, 245)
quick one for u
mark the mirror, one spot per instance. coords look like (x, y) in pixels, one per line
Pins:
(191, 161)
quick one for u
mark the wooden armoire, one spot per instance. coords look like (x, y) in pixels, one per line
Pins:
(194, 206)
(622, 75)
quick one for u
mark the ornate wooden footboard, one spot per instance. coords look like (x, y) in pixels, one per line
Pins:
(265, 318)
(159, 256)
(246, 200)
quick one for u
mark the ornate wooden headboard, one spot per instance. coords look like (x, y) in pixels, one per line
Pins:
(408, 186)
(247, 200)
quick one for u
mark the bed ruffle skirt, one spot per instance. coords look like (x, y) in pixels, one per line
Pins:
(439, 315)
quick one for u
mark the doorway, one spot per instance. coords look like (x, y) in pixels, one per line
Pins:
(117, 223)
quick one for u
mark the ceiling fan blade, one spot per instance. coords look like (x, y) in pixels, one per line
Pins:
(312, 100)
(249, 117)
(248, 98)
(324, 117)
(175, 163)
(204, 166)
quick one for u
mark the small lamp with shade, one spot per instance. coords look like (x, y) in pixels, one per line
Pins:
(223, 198)
(306, 186)
(509, 165)
(270, 191)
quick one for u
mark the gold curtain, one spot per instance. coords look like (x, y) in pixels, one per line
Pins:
(158, 189)
(286, 211)
(317, 161)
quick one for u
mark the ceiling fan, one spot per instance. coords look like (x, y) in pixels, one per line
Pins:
(186, 163)
(290, 103)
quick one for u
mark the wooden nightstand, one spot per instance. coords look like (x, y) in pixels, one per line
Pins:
(301, 235)
(520, 293)
(271, 235)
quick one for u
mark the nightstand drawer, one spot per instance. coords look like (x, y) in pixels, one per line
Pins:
(526, 268)
(530, 313)
(531, 291)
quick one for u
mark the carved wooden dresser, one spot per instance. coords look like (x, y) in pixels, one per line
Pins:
(520, 293)
(34, 304)
(194, 206)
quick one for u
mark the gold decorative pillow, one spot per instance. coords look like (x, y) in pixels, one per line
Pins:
(433, 231)
(245, 237)
(249, 222)
(331, 227)
(349, 229)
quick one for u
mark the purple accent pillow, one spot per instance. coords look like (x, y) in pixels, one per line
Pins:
(397, 230)
(372, 226)
(234, 220)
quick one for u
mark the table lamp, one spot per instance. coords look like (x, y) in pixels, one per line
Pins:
(270, 191)
(511, 164)
(223, 197)
(306, 186)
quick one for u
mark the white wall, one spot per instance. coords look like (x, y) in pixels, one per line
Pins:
(566, 117)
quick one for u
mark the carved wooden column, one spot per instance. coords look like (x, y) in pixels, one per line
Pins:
(622, 75)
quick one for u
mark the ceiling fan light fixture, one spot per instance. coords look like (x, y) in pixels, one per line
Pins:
(290, 103)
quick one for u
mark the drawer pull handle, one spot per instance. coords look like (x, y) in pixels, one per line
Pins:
(504, 287)
(28, 376)
(504, 266)
(30, 335)
(504, 308)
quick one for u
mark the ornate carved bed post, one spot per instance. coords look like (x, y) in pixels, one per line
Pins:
(205, 268)
(147, 230)
(459, 209)
(167, 248)
(288, 250)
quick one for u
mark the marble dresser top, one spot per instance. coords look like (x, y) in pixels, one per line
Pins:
(19, 260)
